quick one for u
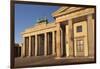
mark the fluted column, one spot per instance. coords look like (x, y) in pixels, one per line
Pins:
(53, 42)
(67, 44)
(48, 46)
(45, 44)
(89, 49)
(23, 48)
(58, 47)
(35, 45)
(61, 40)
(70, 39)
(29, 45)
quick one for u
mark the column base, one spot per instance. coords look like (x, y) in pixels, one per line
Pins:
(46, 55)
(57, 57)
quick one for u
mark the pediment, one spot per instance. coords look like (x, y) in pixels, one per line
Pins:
(65, 10)
(60, 10)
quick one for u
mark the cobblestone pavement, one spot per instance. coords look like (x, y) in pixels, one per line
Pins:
(49, 61)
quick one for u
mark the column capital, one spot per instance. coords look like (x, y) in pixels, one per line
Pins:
(70, 22)
(89, 16)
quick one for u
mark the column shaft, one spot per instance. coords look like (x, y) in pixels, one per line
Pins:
(67, 44)
(23, 48)
(35, 45)
(58, 47)
(29, 45)
(53, 42)
(61, 41)
(38, 45)
(70, 40)
(45, 44)
(89, 49)
(48, 51)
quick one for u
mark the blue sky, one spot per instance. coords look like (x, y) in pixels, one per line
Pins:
(26, 15)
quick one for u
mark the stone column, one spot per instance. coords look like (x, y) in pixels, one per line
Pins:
(29, 45)
(23, 48)
(45, 44)
(61, 40)
(53, 43)
(35, 45)
(38, 49)
(48, 51)
(90, 26)
(71, 38)
(58, 47)
(67, 44)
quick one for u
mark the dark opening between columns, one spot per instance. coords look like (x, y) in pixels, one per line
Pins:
(26, 46)
(63, 39)
(40, 45)
(32, 45)
(49, 43)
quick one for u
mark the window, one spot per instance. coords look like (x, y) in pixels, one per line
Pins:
(80, 45)
(79, 28)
